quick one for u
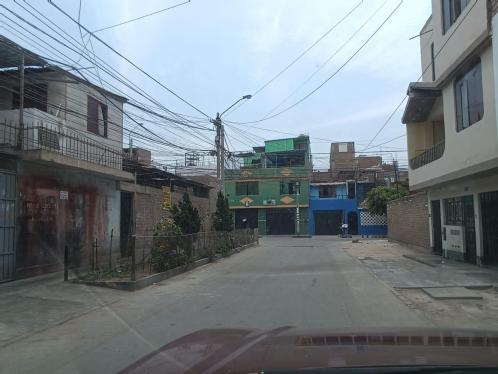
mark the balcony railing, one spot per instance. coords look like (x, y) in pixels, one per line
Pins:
(427, 156)
(58, 139)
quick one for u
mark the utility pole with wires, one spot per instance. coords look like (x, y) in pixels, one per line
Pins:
(220, 153)
(220, 145)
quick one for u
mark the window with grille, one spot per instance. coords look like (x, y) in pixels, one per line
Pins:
(247, 188)
(453, 211)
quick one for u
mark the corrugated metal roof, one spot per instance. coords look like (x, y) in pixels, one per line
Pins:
(11, 53)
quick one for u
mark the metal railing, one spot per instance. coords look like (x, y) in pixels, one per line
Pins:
(428, 156)
(61, 140)
(149, 254)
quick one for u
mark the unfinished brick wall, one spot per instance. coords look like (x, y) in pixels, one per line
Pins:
(408, 220)
(202, 204)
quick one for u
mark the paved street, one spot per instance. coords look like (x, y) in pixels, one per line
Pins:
(308, 283)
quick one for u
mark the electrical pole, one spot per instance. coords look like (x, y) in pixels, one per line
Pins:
(220, 145)
(220, 153)
(298, 231)
(21, 103)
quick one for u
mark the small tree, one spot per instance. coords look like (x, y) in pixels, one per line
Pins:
(185, 216)
(164, 245)
(223, 218)
(377, 198)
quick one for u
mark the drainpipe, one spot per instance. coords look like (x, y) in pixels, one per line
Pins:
(21, 103)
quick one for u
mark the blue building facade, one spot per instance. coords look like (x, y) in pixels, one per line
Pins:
(335, 203)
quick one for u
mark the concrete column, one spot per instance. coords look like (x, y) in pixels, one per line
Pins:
(431, 234)
(441, 207)
(478, 228)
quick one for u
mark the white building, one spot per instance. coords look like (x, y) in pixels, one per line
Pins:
(452, 129)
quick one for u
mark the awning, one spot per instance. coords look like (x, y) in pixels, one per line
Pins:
(421, 98)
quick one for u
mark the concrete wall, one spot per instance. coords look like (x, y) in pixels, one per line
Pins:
(47, 223)
(469, 148)
(468, 186)
(467, 32)
(407, 220)
(67, 100)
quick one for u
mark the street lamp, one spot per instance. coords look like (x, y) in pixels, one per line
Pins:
(220, 145)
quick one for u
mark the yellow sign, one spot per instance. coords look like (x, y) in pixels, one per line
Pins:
(287, 199)
(246, 173)
(166, 198)
(286, 172)
(246, 200)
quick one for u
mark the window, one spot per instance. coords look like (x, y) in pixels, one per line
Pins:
(287, 188)
(201, 191)
(433, 66)
(327, 191)
(35, 96)
(246, 188)
(453, 212)
(343, 147)
(469, 98)
(451, 11)
(96, 117)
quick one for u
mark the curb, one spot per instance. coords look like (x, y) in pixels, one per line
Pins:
(414, 258)
(155, 278)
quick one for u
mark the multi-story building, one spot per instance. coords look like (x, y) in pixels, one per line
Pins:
(337, 194)
(452, 129)
(270, 190)
(61, 143)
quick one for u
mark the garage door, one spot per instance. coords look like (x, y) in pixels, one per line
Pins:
(280, 221)
(328, 223)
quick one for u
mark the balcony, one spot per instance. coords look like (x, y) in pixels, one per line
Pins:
(427, 156)
(256, 173)
(48, 140)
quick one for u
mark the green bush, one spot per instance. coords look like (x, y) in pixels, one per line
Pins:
(377, 198)
(164, 252)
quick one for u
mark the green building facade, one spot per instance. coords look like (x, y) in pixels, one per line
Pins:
(266, 191)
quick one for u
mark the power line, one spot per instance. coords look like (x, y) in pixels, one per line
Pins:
(328, 59)
(423, 72)
(302, 54)
(63, 44)
(141, 17)
(51, 2)
(331, 76)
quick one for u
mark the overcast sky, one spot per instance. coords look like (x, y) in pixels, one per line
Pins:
(211, 52)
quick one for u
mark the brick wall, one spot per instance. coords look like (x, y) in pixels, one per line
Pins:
(407, 220)
(202, 204)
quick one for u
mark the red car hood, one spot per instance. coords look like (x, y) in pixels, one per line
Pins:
(249, 350)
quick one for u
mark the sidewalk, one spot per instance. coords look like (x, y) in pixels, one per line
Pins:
(37, 303)
(416, 276)
(402, 267)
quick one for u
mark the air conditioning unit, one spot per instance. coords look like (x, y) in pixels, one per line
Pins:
(269, 202)
(453, 239)
(48, 138)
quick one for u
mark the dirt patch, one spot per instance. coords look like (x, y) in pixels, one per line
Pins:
(479, 314)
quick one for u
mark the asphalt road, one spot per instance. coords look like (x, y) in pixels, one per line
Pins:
(307, 283)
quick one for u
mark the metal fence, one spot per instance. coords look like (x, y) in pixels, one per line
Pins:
(147, 255)
(61, 140)
(428, 155)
